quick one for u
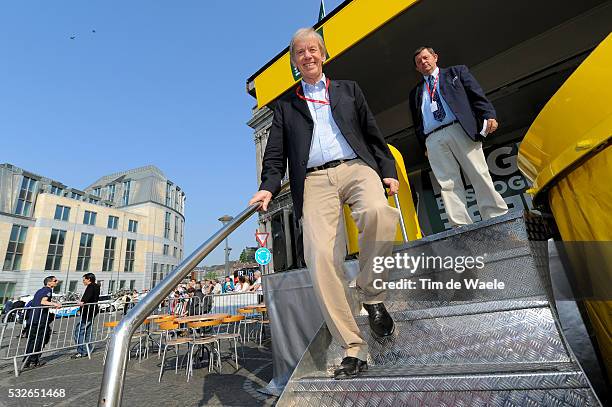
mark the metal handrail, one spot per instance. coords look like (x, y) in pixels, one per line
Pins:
(117, 357)
(401, 218)
(116, 361)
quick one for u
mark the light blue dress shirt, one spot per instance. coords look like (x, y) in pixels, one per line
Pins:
(429, 123)
(328, 143)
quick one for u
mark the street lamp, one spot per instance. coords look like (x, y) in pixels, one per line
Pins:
(225, 219)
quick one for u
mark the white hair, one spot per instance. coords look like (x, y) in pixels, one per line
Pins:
(306, 33)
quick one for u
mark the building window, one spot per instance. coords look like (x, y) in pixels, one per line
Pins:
(154, 275)
(72, 286)
(58, 288)
(130, 254)
(121, 284)
(168, 193)
(14, 251)
(89, 218)
(26, 196)
(96, 191)
(174, 251)
(176, 227)
(55, 190)
(166, 250)
(167, 225)
(132, 285)
(76, 196)
(93, 200)
(56, 249)
(111, 192)
(113, 221)
(7, 290)
(109, 253)
(125, 198)
(62, 212)
(182, 225)
(111, 286)
(133, 226)
(84, 252)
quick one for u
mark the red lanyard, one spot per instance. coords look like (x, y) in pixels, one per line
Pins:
(323, 102)
(431, 93)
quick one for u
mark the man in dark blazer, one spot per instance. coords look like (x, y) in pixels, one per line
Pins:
(451, 116)
(326, 132)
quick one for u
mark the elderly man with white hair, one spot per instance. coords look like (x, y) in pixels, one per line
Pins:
(325, 131)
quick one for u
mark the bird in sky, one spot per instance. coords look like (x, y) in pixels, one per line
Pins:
(73, 37)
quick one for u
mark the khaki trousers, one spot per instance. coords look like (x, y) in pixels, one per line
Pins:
(449, 148)
(325, 191)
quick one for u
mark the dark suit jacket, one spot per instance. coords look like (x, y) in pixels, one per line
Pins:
(291, 135)
(463, 95)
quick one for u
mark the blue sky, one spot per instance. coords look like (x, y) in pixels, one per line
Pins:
(159, 83)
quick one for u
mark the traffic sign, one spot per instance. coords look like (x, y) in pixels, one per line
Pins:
(263, 256)
(261, 238)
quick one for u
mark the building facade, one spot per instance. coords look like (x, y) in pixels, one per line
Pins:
(127, 228)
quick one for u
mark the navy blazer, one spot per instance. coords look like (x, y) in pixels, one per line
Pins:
(291, 135)
(463, 95)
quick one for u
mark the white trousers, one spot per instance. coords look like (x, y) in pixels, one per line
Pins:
(449, 148)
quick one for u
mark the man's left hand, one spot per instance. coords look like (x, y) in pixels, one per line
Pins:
(491, 125)
(392, 184)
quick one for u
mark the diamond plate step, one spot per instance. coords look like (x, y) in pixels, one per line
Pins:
(504, 337)
(475, 368)
(516, 389)
(493, 348)
(448, 382)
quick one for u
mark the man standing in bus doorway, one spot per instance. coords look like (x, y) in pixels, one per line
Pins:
(451, 116)
(337, 155)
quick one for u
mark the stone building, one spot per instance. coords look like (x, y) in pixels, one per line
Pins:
(127, 228)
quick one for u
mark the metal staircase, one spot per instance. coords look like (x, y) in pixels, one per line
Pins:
(459, 348)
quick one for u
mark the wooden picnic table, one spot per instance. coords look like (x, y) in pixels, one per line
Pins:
(203, 317)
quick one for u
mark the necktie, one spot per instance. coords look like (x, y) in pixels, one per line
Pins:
(439, 114)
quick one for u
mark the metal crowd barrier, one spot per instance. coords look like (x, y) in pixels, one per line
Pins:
(54, 332)
(118, 346)
(227, 303)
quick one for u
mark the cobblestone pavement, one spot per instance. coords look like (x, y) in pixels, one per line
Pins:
(80, 381)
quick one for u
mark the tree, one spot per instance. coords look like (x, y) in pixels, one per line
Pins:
(248, 255)
(210, 275)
